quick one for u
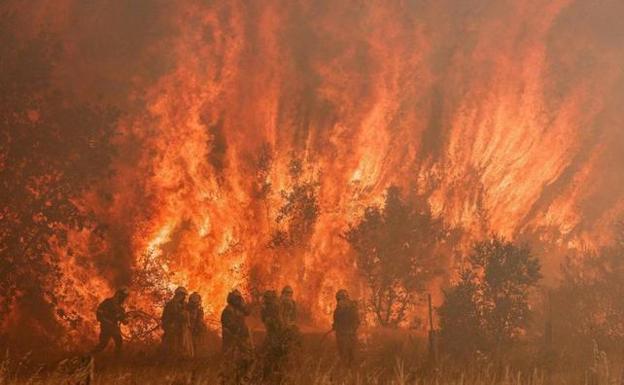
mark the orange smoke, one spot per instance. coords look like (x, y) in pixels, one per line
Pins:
(505, 115)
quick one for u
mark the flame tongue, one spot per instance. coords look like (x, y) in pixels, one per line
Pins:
(270, 126)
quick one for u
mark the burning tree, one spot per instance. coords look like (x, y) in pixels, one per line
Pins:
(489, 306)
(299, 211)
(51, 150)
(395, 252)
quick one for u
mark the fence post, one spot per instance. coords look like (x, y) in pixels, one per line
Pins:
(433, 349)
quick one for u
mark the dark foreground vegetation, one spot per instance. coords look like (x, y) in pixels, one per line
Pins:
(385, 358)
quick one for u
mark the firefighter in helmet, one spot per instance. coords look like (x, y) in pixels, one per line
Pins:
(346, 324)
(177, 341)
(110, 314)
(237, 344)
(198, 325)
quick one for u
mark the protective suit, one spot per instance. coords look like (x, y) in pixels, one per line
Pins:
(177, 342)
(110, 313)
(346, 324)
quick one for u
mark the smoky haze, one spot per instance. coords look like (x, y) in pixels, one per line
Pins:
(506, 116)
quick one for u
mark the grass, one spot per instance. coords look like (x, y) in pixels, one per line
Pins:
(382, 360)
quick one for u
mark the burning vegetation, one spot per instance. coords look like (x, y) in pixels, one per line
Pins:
(467, 150)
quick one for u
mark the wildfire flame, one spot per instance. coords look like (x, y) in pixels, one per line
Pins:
(505, 115)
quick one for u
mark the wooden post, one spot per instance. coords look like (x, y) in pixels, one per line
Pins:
(549, 353)
(430, 312)
(433, 353)
(548, 327)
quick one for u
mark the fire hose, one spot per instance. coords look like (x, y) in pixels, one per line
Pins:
(149, 325)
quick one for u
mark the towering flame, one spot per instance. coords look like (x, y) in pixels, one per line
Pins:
(505, 115)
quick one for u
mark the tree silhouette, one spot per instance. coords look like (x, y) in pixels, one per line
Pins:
(461, 326)
(588, 301)
(497, 282)
(395, 252)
